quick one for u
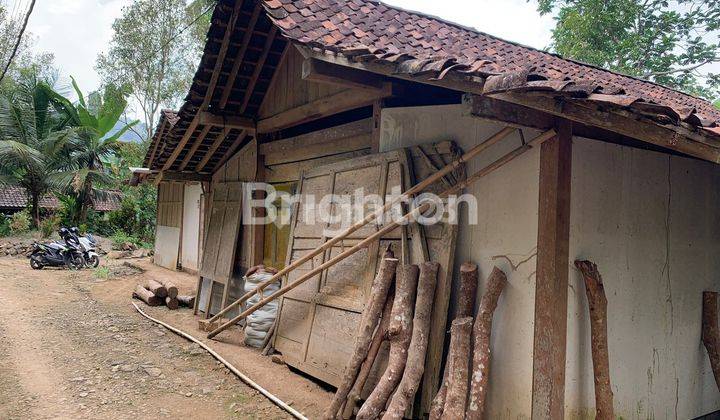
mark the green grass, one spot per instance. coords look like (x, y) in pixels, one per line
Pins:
(102, 272)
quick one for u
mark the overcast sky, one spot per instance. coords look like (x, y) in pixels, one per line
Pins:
(77, 30)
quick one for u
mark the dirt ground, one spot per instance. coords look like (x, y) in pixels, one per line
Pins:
(72, 346)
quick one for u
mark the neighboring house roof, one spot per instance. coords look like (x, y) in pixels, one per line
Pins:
(15, 198)
(372, 31)
(410, 44)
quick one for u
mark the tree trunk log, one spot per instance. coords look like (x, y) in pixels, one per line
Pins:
(399, 333)
(465, 307)
(379, 337)
(147, 296)
(458, 361)
(188, 301)
(156, 288)
(371, 315)
(597, 303)
(481, 341)
(711, 332)
(415, 366)
(172, 290)
(171, 303)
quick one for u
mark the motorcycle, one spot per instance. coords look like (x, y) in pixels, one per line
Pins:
(88, 245)
(56, 254)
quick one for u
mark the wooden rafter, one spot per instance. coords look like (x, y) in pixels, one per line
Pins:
(319, 108)
(157, 143)
(218, 141)
(239, 57)
(242, 123)
(193, 149)
(318, 71)
(211, 86)
(258, 68)
(235, 147)
(632, 125)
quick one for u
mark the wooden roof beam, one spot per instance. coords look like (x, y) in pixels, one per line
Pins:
(218, 141)
(629, 124)
(208, 118)
(182, 176)
(239, 57)
(323, 107)
(211, 86)
(203, 133)
(318, 71)
(234, 148)
(258, 68)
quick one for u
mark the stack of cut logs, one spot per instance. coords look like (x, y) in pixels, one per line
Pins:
(158, 293)
(402, 317)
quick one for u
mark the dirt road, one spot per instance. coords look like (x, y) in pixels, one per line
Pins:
(67, 354)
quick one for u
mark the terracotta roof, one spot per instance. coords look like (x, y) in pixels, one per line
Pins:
(16, 198)
(365, 30)
(422, 47)
(109, 203)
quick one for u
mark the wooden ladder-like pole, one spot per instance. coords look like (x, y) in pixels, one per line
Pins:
(409, 217)
(342, 235)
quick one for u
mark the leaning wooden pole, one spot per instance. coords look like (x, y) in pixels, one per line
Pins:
(364, 372)
(458, 361)
(415, 366)
(410, 216)
(465, 307)
(389, 205)
(481, 340)
(399, 335)
(597, 302)
(371, 315)
(711, 332)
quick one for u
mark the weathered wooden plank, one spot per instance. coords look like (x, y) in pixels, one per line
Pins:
(551, 278)
(314, 70)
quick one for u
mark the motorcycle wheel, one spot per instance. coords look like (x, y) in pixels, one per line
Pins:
(35, 264)
(76, 262)
(93, 261)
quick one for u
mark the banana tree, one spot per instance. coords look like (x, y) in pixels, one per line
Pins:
(34, 140)
(86, 169)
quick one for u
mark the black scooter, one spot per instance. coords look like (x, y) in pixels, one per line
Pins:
(55, 254)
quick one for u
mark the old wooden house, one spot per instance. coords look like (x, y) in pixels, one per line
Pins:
(332, 95)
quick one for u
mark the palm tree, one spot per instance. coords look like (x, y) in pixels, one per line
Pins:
(32, 140)
(86, 168)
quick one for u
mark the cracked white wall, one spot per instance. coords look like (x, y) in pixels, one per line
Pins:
(619, 219)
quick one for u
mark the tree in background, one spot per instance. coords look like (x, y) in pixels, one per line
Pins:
(33, 139)
(153, 54)
(85, 169)
(668, 42)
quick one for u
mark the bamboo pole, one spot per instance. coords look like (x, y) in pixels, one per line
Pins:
(409, 193)
(386, 229)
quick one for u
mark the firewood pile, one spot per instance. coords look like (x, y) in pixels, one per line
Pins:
(399, 312)
(158, 293)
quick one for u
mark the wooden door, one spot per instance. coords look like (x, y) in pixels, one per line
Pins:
(169, 221)
(191, 226)
(220, 245)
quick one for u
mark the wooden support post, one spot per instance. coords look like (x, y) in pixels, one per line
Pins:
(551, 283)
(376, 118)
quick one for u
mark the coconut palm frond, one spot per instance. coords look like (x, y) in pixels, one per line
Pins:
(15, 154)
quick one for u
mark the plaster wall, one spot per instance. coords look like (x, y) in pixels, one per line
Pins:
(650, 223)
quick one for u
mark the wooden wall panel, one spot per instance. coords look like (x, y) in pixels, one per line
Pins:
(289, 90)
(170, 202)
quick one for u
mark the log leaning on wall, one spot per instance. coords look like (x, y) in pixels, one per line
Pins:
(711, 332)
(597, 303)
